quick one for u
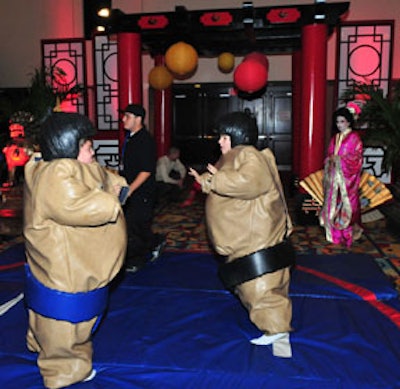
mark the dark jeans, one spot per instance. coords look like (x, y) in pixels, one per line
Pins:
(141, 240)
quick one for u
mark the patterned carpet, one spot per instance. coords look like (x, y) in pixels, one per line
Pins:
(185, 231)
(9, 241)
(10, 216)
(183, 226)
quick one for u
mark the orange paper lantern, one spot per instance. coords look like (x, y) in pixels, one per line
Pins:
(160, 78)
(181, 59)
(250, 76)
(226, 62)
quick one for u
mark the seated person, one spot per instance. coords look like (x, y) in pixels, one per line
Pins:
(170, 175)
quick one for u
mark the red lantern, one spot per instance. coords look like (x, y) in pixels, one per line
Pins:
(16, 130)
(181, 59)
(250, 76)
(15, 155)
(257, 56)
(160, 78)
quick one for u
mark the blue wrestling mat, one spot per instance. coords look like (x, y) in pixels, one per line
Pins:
(174, 326)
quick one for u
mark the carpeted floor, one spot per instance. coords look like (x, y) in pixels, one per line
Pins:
(10, 216)
(183, 226)
(185, 231)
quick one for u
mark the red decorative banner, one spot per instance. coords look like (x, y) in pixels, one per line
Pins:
(153, 22)
(216, 19)
(283, 15)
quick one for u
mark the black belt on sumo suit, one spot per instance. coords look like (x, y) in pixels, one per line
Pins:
(254, 265)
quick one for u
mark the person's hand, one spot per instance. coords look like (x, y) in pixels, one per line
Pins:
(117, 189)
(195, 175)
(211, 168)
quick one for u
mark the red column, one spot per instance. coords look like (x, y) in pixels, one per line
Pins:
(296, 112)
(162, 115)
(129, 72)
(313, 96)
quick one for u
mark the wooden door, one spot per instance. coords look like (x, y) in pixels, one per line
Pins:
(197, 107)
(279, 125)
(273, 111)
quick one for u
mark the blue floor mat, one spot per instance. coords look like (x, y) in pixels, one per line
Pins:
(173, 325)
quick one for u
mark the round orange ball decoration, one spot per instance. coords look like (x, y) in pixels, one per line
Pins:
(250, 76)
(160, 78)
(226, 62)
(181, 58)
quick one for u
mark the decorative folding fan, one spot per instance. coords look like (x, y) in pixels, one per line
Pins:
(372, 191)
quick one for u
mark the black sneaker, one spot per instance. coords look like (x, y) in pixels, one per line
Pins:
(132, 268)
(135, 264)
(158, 250)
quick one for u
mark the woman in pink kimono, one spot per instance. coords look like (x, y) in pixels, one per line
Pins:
(340, 214)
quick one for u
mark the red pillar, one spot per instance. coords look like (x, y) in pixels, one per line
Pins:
(129, 73)
(313, 96)
(296, 112)
(162, 115)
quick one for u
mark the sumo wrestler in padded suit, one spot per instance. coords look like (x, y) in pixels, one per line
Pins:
(75, 237)
(249, 226)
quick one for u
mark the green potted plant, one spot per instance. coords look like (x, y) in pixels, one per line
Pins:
(43, 97)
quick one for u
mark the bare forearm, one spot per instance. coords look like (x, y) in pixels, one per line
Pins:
(138, 181)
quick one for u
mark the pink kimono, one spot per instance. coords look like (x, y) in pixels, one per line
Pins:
(340, 214)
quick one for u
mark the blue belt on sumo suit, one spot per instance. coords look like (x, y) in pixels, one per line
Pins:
(59, 305)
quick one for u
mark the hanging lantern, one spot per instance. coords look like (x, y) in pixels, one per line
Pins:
(16, 155)
(17, 123)
(16, 130)
(250, 76)
(181, 59)
(160, 78)
(257, 56)
(226, 62)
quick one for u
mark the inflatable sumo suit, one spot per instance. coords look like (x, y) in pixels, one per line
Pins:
(249, 225)
(75, 237)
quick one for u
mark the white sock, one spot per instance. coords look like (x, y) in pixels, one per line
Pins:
(90, 376)
(265, 340)
(282, 348)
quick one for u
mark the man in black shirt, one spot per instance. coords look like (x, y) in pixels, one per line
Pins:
(139, 165)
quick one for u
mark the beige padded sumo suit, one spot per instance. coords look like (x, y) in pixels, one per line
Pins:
(245, 213)
(75, 238)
